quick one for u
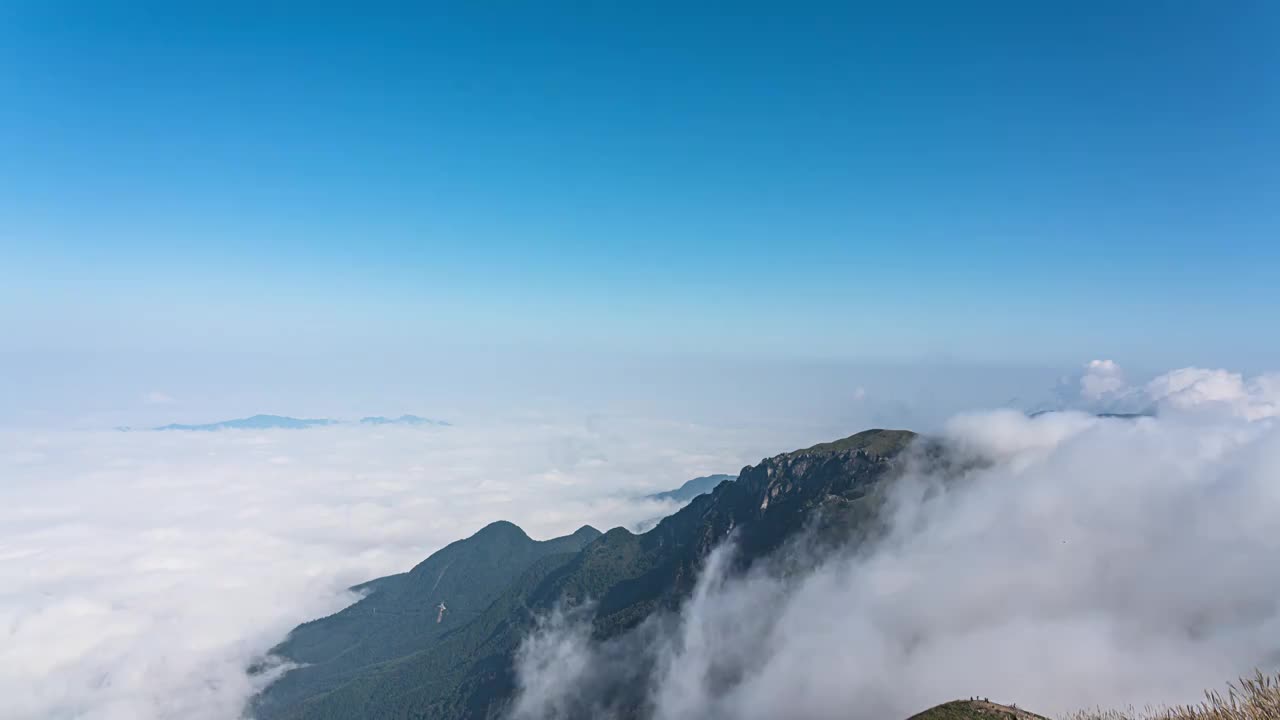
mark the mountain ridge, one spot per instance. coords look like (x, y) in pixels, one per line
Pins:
(253, 422)
(399, 614)
(465, 670)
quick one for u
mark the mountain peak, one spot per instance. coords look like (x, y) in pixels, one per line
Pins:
(586, 532)
(502, 528)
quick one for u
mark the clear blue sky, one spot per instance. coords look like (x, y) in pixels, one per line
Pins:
(1025, 182)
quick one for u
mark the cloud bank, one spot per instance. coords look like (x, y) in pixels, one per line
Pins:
(141, 572)
(1091, 561)
(1102, 386)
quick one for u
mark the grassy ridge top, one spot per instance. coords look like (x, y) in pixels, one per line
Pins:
(875, 442)
(975, 710)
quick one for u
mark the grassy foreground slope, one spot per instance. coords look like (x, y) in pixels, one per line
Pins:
(1255, 698)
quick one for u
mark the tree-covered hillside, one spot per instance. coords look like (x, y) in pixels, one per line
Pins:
(388, 657)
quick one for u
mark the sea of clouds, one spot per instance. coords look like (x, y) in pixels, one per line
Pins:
(142, 572)
(1085, 561)
(1093, 561)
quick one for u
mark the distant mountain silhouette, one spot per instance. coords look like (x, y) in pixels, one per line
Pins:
(1115, 415)
(692, 489)
(402, 420)
(256, 422)
(274, 422)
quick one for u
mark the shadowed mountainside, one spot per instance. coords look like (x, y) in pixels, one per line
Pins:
(400, 616)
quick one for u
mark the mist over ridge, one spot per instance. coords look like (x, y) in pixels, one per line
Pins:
(1079, 561)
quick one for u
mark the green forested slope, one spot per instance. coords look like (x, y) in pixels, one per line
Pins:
(398, 616)
(385, 657)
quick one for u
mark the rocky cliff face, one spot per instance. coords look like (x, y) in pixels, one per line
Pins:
(833, 488)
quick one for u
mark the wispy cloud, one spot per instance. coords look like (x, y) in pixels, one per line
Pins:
(155, 397)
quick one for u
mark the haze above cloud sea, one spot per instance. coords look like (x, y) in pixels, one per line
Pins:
(142, 572)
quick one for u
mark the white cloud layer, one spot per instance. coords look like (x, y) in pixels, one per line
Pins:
(1097, 561)
(1198, 390)
(141, 572)
(1094, 561)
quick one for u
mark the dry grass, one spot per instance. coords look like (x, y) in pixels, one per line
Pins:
(1256, 698)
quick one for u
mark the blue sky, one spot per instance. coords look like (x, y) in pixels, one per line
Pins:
(986, 183)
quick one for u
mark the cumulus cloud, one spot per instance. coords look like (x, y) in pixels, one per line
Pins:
(1200, 390)
(1102, 387)
(1101, 379)
(1089, 561)
(140, 573)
